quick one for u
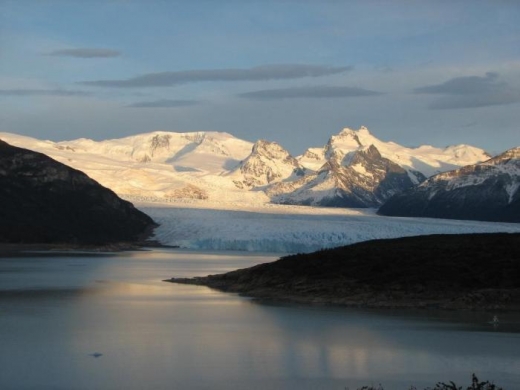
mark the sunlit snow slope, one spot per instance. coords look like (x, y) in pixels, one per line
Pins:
(163, 166)
(157, 166)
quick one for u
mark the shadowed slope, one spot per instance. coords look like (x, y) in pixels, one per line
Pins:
(43, 201)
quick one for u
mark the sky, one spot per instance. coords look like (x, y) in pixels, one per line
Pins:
(295, 72)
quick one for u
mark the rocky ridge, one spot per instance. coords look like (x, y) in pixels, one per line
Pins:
(488, 191)
(362, 178)
(268, 162)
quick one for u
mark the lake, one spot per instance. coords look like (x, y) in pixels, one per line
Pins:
(89, 321)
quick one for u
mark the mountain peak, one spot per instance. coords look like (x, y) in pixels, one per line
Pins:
(510, 155)
(267, 163)
(347, 131)
(268, 148)
(513, 153)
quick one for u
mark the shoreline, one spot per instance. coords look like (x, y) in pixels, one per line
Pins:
(43, 249)
(489, 300)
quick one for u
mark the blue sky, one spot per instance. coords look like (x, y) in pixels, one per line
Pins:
(295, 72)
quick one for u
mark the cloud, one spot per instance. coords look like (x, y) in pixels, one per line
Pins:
(259, 73)
(308, 92)
(85, 53)
(42, 92)
(471, 92)
(474, 101)
(165, 103)
(465, 85)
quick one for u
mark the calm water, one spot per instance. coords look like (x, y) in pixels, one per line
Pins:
(58, 312)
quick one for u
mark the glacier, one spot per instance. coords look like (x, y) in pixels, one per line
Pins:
(286, 229)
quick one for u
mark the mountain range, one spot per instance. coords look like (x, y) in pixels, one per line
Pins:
(352, 169)
(487, 191)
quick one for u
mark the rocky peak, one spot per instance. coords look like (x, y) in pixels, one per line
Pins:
(267, 163)
(348, 132)
(197, 138)
(159, 141)
(270, 150)
(370, 152)
(211, 145)
(509, 156)
(346, 139)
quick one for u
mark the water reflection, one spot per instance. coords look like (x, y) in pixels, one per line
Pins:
(56, 312)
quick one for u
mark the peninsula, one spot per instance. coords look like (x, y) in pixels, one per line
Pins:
(466, 271)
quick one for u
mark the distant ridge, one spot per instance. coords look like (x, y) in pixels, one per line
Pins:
(488, 191)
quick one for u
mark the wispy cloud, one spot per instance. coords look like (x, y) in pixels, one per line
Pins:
(42, 92)
(471, 92)
(308, 92)
(259, 73)
(85, 53)
(165, 103)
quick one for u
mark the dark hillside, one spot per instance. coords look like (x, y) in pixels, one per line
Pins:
(44, 201)
(470, 271)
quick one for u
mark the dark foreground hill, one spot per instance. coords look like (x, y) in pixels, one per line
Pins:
(44, 201)
(475, 271)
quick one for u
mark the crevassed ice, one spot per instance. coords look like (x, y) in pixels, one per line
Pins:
(293, 229)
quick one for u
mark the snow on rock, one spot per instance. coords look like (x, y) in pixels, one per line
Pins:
(360, 178)
(486, 191)
(427, 160)
(290, 229)
(355, 169)
(267, 163)
(164, 166)
(506, 164)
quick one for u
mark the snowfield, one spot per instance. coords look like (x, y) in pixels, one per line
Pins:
(162, 165)
(289, 229)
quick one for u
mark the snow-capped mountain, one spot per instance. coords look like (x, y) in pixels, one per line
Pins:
(197, 151)
(361, 178)
(267, 163)
(353, 169)
(426, 159)
(158, 166)
(486, 191)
